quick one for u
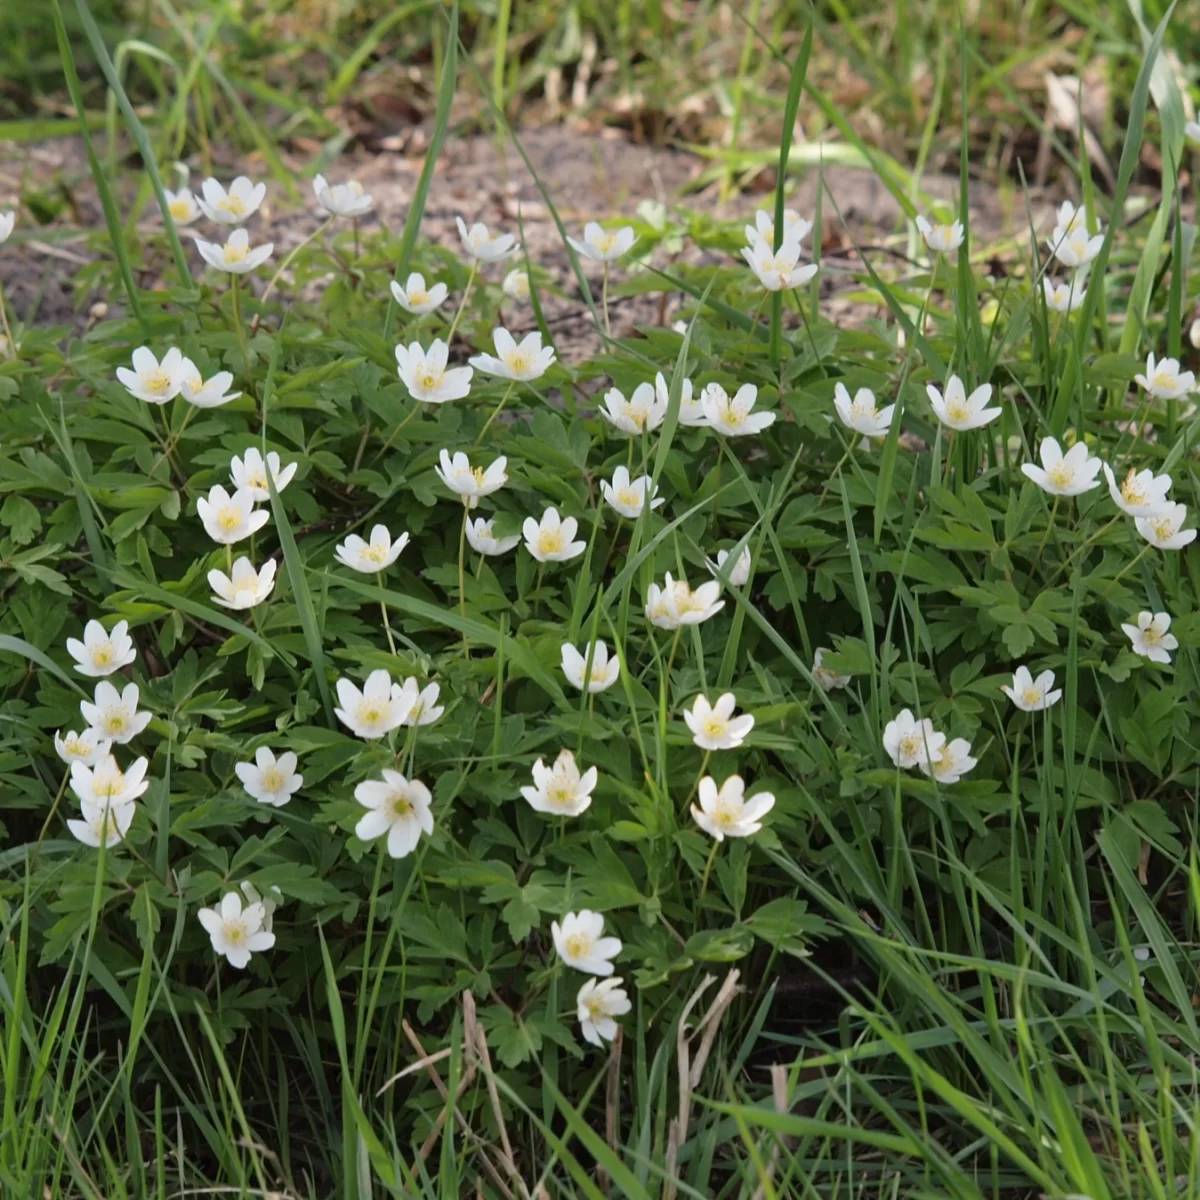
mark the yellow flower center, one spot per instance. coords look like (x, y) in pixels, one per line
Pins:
(179, 209)
(560, 794)
(1032, 696)
(724, 818)
(195, 384)
(74, 745)
(595, 1007)
(518, 361)
(235, 932)
(1061, 475)
(911, 745)
(550, 541)
(1132, 492)
(373, 552)
(370, 714)
(229, 518)
(629, 498)
(418, 296)
(272, 779)
(401, 806)
(235, 254)
(599, 673)
(1151, 635)
(354, 188)
(429, 379)
(477, 475)
(714, 727)
(1163, 528)
(957, 411)
(102, 655)
(115, 722)
(233, 205)
(578, 945)
(734, 416)
(158, 381)
(109, 786)
(1163, 379)
(607, 242)
(862, 410)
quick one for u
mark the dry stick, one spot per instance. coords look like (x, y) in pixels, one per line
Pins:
(420, 1065)
(489, 1078)
(779, 1095)
(610, 1103)
(681, 1052)
(711, 1023)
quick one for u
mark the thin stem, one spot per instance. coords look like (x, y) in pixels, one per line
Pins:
(1127, 568)
(462, 578)
(283, 266)
(229, 559)
(604, 303)
(239, 328)
(62, 787)
(357, 247)
(462, 304)
(396, 432)
(1049, 526)
(387, 628)
(173, 438)
(696, 781)
(10, 345)
(1087, 542)
(712, 854)
(496, 411)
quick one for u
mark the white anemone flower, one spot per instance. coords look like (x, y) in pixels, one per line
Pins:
(516, 284)
(827, 678)
(482, 245)
(469, 483)
(483, 539)
(1073, 246)
(960, 411)
(628, 496)
(8, 221)
(102, 651)
(552, 538)
(245, 587)
(580, 942)
(205, 393)
(424, 709)
(1141, 493)
(1032, 695)
(675, 604)
(342, 199)
(107, 824)
(270, 902)
(250, 472)
(181, 205)
(268, 779)
(732, 416)
(153, 381)
(1191, 131)
(942, 238)
(643, 412)
(1060, 474)
(861, 413)
(726, 812)
(400, 808)
(598, 1004)
(910, 742)
(561, 790)
(739, 572)
(416, 298)
(372, 556)
(106, 783)
(795, 227)
(778, 270)
(234, 206)
(691, 411)
(114, 715)
(523, 362)
(1165, 529)
(426, 375)
(236, 255)
(379, 708)
(951, 762)
(604, 670)
(1065, 297)
(237, 932)
(714, 727)
(604, 245)
(1164, 380)
(1150, 636)
(228, 519)
(87, 747)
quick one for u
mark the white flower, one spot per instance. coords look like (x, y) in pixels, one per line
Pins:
(581, 943)
(228, 519)
(827, 679)
(523, 362)
(860, 414)
(1065, 297)
(250, 472)
(371, 557)
(714, 727)
(516, 284)
(1029, 694)
(114, 715)
(484, 541)
(598, 1004)
(960, 411)
(604, 245)
(1190, 130)
(732, 416)
(107, 824)
(343, 199)
(739, 571)
(182, 206)
(951, 762)
(795, 227)
(1069, 474)
(482, 245)
(205, 393)
(910, 742)
(101, 653)
(153, 381)
(425, 709)
(416, 298)
(469, 482)
(398, 807)
(1071, 244)
(641, 413)
(425, 374)
(1164, 529)
(379, 708)
(1070, 218)
(106, 783)
(561, 790)
(234, 206)
(1165, 380)
(550, 539)
(237, 932)
(675, 603)
(270, 902)
(604, 672)
(628, 496)
(778, 270)
(942, 238)
(1141, 494)
(87, 747)
(691, 411)
(727, 812)
(1150, 637)
(268, 779)
(7, 222)
(235, 256)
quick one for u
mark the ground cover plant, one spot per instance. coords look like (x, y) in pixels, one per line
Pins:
(758, 759)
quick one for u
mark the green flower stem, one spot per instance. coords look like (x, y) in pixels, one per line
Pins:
(1049, 526)
(387, 628)
(604, 302)
(283, 266)
(462, 304)
(462, 578)
(238, 327)
(712, 855)
(1127, 568)
(173, 438)
(696, 782)
(62, 787)
(229, 558)
(396, 432)
(12, 346)
(1084, 545)
(496, 411)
